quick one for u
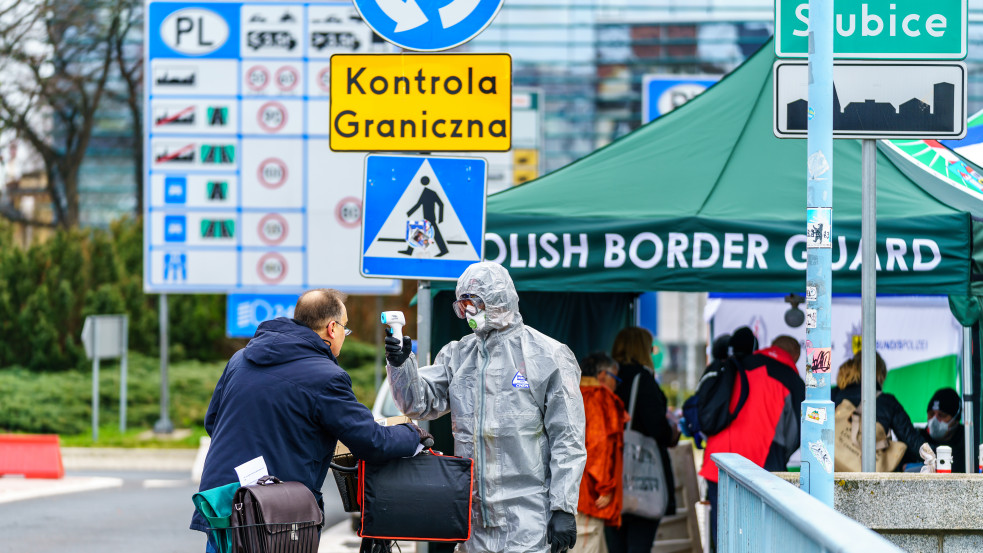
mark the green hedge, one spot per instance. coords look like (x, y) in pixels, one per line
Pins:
(47, 290)
(61, 403)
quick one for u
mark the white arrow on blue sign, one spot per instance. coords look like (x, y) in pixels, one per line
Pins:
(422, 26)
(423, 216)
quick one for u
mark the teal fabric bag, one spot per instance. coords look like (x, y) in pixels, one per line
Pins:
(216, 506)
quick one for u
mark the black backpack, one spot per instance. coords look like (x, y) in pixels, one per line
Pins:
(713, 395)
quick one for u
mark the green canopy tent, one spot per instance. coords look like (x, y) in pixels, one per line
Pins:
(707, 198)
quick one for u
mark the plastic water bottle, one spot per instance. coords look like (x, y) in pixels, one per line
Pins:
(981, 458)
(943, 457)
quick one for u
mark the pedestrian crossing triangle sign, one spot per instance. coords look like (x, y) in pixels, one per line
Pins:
(424, 216)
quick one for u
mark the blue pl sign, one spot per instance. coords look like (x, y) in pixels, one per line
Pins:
(427, 26)
(244, 312)
(664, 93)
(424, 217)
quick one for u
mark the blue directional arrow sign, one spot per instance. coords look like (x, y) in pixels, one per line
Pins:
(426, 26)
(423, 216)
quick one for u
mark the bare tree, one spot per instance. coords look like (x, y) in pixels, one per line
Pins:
(127, 47)
(55, 59)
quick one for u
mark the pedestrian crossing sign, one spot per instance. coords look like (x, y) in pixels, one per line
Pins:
(424, 216)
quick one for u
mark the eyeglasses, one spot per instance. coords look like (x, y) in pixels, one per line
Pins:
(469, 303)
(614, 376)
(348, 331)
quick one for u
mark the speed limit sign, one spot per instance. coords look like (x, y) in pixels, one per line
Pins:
(273, 229)
(272, 116)
(257, 77)
(287, 78)
(272, 268)
(272, 172)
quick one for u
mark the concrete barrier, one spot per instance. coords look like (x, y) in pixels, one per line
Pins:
(917, 512)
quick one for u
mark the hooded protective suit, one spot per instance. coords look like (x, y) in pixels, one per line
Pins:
(516, 409)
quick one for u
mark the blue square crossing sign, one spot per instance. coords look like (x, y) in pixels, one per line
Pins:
(424, 216)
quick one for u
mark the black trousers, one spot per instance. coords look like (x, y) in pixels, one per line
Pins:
(636, 535)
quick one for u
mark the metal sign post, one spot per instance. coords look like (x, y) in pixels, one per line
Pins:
(818, 420)
(163, 424)
(868, 301)
(105, 337)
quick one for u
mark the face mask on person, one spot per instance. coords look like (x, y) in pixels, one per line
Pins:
(477, 320)
(937, 429)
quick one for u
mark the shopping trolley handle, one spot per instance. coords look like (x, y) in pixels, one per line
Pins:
(339, 468)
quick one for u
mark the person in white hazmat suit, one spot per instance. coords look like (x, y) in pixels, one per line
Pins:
(516, 409)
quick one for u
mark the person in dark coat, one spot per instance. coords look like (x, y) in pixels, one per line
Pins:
(633, 351)
(890, 413)
(944, 428)
(285, 398)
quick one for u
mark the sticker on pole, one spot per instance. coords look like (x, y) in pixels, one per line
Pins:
(423, 217)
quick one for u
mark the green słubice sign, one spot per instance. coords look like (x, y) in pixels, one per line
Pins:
(879, 29)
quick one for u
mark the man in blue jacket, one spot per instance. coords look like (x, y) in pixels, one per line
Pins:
(284, 398)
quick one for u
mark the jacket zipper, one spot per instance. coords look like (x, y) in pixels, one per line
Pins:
(480, 445)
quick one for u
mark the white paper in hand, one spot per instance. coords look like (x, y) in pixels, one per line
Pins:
(251, 471)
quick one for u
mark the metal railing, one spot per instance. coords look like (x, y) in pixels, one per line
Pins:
(761, 513)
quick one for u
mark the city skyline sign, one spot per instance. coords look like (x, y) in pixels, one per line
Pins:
(877, 100)
(879, 29)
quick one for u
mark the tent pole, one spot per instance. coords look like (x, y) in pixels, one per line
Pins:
(967, 390)
(868, 302)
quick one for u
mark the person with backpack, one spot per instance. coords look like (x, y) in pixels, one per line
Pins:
(719, 353)
(765, 429)
(891, 416)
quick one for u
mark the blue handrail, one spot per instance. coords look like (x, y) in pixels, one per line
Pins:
(760, 512)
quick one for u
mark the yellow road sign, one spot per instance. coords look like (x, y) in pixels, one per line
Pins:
(526, 156)
(421, 102)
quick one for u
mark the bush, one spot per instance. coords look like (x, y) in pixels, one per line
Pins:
(47, 290)
(61, 403)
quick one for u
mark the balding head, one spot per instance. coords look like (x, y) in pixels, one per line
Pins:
(316, 308)
(789, 344)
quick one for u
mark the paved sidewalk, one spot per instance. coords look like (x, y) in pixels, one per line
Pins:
(17, 488)
(341, 539)
(120, 458)
(14, 488)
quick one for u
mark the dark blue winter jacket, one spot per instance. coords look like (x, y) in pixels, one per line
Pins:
(284, 397)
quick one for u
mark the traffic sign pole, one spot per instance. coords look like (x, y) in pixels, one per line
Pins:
(163, 424)
(818, 419)
(868, 301)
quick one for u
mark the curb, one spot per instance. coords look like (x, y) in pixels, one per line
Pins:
(121, 458)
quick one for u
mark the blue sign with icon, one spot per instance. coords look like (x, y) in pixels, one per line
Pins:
(245, 312)
(175, 228)
(664, 93)
(425, 26)
(423, 216)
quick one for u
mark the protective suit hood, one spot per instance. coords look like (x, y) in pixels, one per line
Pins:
(491, 282)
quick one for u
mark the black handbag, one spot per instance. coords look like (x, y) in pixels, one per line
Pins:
(272, 516)
(421, 498)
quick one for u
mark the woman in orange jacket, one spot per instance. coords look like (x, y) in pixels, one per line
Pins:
(600, 487)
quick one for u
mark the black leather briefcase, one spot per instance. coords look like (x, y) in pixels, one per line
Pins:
(272, 516)
(422, 498)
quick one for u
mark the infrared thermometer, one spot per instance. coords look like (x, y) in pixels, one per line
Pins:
(395, 320)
